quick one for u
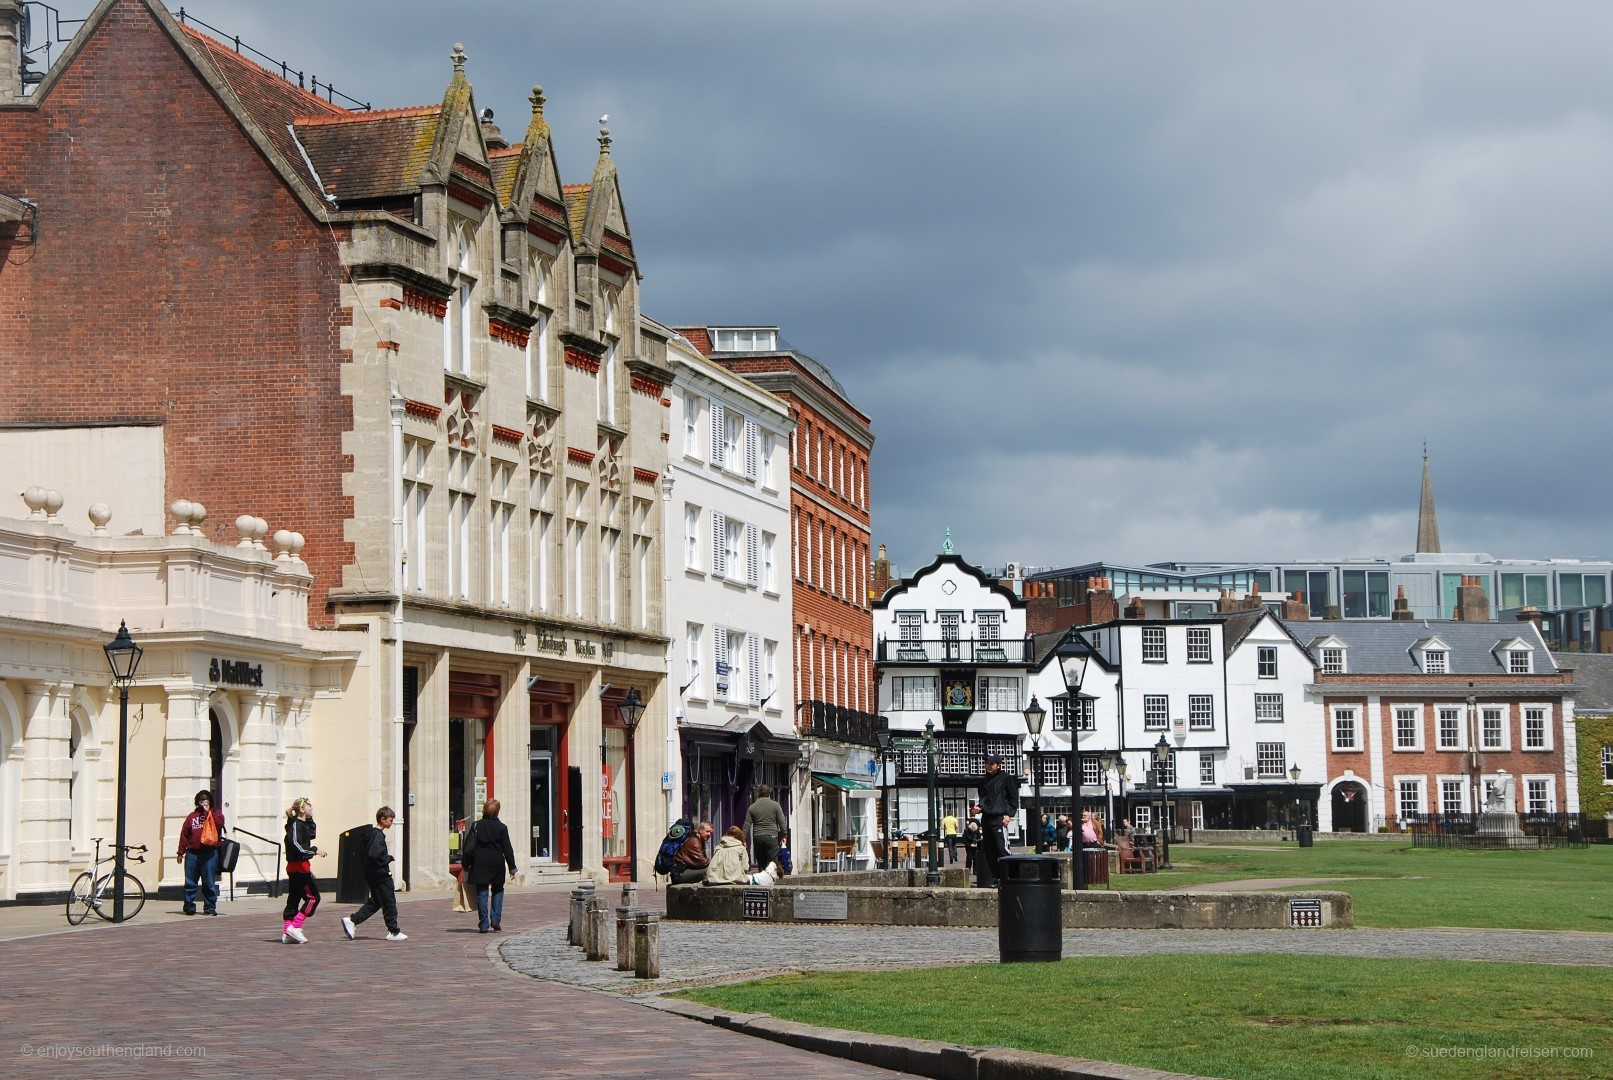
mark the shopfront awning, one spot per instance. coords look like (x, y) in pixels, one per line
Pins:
(844, 783)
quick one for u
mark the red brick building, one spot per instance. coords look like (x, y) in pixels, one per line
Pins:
(1444, 718)
(830, 508)
(400, 335)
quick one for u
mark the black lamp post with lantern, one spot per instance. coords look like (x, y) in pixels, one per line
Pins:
(1163, 755)
(1073, 667)
(124, 657)
(1035, 715)
(631, 710)
(883, 739)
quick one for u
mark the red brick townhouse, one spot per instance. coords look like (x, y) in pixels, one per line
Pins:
(1439, 717)
(399, 334)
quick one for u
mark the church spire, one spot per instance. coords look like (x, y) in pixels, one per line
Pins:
(1427, 523)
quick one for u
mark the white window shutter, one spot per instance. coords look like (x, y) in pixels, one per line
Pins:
(719, 445)
(720, 673)
(754, 650)
(719, 544)
(753, 561)
(751, 440)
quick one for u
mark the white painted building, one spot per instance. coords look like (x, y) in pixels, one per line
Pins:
(729, 597)
(234, 692)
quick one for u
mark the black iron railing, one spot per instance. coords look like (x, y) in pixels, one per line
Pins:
(1499, 831)
(825, 720)
(269, 62)
(274, 874)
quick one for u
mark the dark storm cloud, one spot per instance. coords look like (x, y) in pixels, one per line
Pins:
(1133, 282)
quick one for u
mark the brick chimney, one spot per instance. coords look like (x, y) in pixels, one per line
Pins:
(1472, 603)
(879, 582)
(1402, 612)
(1135, 610)
(1101, 601)
(1296, 610)
(1531, 614)
(11, 18)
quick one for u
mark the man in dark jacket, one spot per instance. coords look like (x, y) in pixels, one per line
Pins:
(378, 876)
(487, 852)
(999, 802)
(765, 822)
(689, 864)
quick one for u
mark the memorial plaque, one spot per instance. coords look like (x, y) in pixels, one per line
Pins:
(1303, 913)
(758, 904)
(827, 905)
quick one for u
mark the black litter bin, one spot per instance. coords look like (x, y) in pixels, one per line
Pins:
(1030, 921)
(351, 887)
(1305, 835)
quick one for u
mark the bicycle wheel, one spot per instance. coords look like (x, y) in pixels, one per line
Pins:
(134, 896)
(78, 899)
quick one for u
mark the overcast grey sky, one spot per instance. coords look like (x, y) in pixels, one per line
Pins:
(1133, 281)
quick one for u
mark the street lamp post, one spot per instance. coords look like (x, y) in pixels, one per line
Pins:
(1163, 752)
(631, 709)
(1073, 667)
(124, 657)
(882, 738)
(1034, 715)
(932, 873)
(1293, 777)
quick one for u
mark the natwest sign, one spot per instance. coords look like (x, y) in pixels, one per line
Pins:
(234, 672)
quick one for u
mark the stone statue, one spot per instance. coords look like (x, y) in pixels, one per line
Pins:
(1500, 800)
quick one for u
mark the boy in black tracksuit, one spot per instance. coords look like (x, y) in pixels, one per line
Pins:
(379, 878)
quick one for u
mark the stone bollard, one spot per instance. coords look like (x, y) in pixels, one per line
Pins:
(579, 898)
(624, 938)
(647, 945)
(629, 894)
(596, 941)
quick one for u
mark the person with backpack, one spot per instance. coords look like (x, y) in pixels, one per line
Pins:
(198, 851)
(378, 876)
(486, 853)
(690, 863)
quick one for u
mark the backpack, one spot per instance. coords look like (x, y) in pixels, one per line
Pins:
(675, 836)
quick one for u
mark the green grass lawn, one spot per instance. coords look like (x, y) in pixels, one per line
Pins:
(1262, 1017)
(1398, 886)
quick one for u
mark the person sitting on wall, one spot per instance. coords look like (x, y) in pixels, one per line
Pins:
(690, 863)
(731, 863)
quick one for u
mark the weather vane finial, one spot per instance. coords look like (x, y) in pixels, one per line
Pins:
(946, 548)
(458, 57)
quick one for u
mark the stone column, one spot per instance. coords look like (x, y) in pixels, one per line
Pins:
(186, 768)
(43, 854)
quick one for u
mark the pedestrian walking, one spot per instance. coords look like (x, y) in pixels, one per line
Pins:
(198, 851)
(949, 832)
(765, 822)
(378, 876)
(486, 854)
(999, 802)
(302, 891)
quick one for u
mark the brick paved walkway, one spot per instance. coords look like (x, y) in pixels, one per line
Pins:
(437, 1004)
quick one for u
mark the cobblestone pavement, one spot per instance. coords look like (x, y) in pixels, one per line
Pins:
(693, 953)
(166, 996)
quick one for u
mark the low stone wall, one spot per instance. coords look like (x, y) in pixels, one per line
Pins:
(1091, 910)
(1273, 836)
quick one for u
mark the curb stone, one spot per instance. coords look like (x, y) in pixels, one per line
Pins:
(920, 1057)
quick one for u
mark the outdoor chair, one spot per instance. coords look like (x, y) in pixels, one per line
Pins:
(1132, 859)
(828, 856)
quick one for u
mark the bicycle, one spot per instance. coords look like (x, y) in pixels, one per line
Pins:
(96, 892)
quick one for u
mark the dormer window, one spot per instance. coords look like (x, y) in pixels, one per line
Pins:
(1332, 661)
(1432, 655)
(745, 339)
(1517, 656)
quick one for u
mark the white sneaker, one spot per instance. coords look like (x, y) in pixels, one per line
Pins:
(348, 928)
(297, 935)
(399, 936)
(284, 939)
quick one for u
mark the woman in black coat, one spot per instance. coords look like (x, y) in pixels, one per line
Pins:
(486, 853)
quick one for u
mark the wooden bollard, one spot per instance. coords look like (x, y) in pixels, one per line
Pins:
(647, 945)
(596, 942)
(624, 938)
